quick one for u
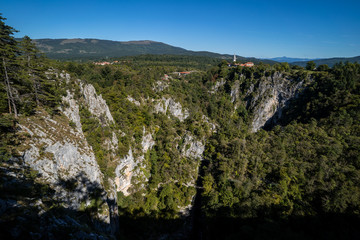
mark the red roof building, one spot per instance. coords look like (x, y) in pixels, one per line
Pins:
(248, 64)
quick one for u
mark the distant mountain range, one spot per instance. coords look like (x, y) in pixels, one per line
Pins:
(319, 61)
(94, 49)
(329, 61)
(289, 59)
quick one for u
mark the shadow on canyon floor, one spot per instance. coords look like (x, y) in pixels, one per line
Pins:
(149, 227)
(30, 209)
(331, 226)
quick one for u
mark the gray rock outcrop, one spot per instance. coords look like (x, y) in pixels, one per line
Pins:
(124, 173)
(72, 111)
(96, 104)
(271, 98)
(58, 150)
(235, 89)
(58, 153)
(137, 103)
(217, 85)
(192, 148)
(160, 86)
(174, 108)
(129, 167)
(147, 141)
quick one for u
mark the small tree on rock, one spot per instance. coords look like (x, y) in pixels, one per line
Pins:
(311, 65)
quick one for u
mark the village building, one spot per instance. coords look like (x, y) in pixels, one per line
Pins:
(183, 73)
(248, 64)
(102, 63)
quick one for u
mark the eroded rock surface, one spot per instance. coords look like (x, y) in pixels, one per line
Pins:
(192, 148)
(271, 98)
(59, 153)
(174, 108)
(96, 104)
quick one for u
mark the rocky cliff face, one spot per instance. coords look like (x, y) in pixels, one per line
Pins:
(217, 85)
(235, 90)
(96, 104)
(131, 166)
(174, 108)
(270, 97)
(58, 152)
(56, 148)
(192, 147)
(124, 173)
(72, 112)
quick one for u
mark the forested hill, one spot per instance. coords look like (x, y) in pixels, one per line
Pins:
(92, 49)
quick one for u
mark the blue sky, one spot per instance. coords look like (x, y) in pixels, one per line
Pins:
(253, 28)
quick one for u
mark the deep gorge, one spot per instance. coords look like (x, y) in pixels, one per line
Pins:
(135, 150)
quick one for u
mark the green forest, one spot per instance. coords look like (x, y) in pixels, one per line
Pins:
(296, 178)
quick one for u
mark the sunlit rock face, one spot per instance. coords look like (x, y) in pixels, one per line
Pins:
(270, 99)
(235, 90)
(192, 147)
(130, 166)
(96, 104)
(130, 99)
(124, 172)
(174, 108)
(60, 153)
(217, 85)
(72, 111)
(57, 149)
(147, 141)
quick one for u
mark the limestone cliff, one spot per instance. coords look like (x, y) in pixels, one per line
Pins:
(57, 152)
(267, 98)
(192, 147)
(174, 108)
(57, 149)
(217, 85)
(96, 104)
(131, 166)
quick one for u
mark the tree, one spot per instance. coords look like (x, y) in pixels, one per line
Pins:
(296, 67)
(32, 74)
(323, 67)
(284, 66)
(29, 55)
(8, 52)
(311, 65)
